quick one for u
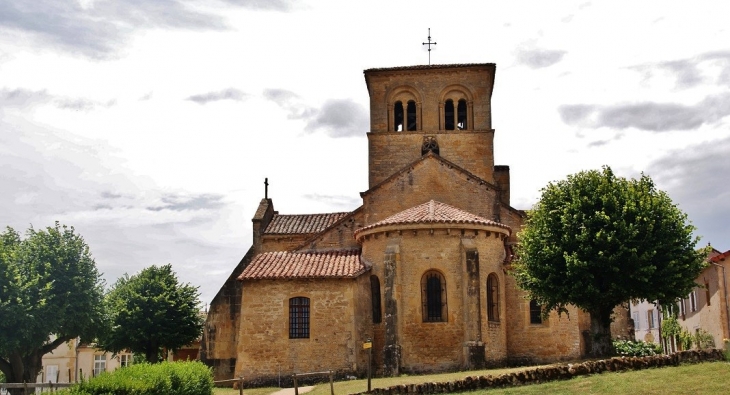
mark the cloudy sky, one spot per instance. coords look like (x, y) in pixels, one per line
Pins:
(150, 125)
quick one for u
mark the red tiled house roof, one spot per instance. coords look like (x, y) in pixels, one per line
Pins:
(290, 265)
(433, 212)
(720, 257)
(302, 223)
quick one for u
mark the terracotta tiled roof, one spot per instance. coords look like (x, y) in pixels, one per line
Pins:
(720, 257)
(433, 212)
(302, 224)
(287, 265)
(430, 67)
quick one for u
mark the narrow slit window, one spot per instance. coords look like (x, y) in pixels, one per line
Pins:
(449, 115)
(493, 298)
(535, 312)
(412, 124)
(375, 291)
(461, 115)
(433, 290)
(299, 318)
(398, 116)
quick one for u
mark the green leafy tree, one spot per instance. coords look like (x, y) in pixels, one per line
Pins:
(151, 311)
(596, 240)
(50, 293)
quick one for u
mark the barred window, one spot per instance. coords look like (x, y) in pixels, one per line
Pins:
(493, 298)
(433, 296)
(535, 312)
(375, 291)
(299, 318)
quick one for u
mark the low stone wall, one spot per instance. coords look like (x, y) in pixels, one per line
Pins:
(551, 373)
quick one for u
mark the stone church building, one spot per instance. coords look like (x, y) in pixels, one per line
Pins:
(422, 267)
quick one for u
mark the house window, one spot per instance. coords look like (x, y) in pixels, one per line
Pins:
(51, 374)
(398, 116)
(299, 318)
(461, 115)
(375, 292)
(707, 293)
(535, 312)
(493, 298)
(411, 115)
(99, 364)
(637, 323)
(682, 308)
(693, 301)
(449, 115)
(650, 318)
(125, 360)
(433, 296)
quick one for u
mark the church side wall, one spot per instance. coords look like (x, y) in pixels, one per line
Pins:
(557, 338)
(431, 179)
(265, 349)
(271, 243)
(339, 237)
(220, 333)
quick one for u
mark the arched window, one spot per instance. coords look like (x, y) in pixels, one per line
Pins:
(493, 298)
(412, 125)
(299, 318)
(449, 115)
(375, 292)
(398, 116)
(535, 312)
(433, 296)
(461, 115)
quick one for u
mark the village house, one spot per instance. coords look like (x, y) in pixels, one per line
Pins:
(421, 269)
(704, 310)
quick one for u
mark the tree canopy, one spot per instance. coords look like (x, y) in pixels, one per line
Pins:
(596, 240)
(50, 293)
(150, 311)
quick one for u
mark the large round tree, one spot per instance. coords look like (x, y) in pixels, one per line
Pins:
(150, 311)
(50, 293)
(597, 240)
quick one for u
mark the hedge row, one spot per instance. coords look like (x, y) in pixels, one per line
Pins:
(551, 373)
(180, 378)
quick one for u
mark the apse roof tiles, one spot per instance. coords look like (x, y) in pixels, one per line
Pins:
(290, 265)
(433, 212)
(302, 223)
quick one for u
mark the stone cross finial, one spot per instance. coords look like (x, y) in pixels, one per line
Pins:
(429, 43)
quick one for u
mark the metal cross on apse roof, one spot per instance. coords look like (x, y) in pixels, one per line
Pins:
(429, 43)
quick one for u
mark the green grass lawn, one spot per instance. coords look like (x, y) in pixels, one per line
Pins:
(700, 379)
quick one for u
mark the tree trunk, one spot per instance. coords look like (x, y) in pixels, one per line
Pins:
(24, 369)
(601, 342)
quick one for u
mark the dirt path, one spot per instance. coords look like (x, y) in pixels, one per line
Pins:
(290, 391)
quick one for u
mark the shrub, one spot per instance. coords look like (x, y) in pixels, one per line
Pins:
(180, 378)
(631, 348)
(704, 340)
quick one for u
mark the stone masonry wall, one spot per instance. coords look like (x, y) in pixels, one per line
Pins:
(430, 179)
(265, 349)
(389, 152)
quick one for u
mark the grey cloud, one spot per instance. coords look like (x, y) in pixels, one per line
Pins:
(687, 72)
(598, 143)
(340, 118)
(539, 58)
(82, 104)
(695, 180)
(650, 116)
(110, 195)
(25, 98)
(98, 29)
(226, 94)
(336, 118)
(291, 102)
(176, 202)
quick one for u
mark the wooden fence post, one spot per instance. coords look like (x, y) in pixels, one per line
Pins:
(296, 387)
(332, 384)
(240, 385)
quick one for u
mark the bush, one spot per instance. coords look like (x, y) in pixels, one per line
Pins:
(631, 348)
(180, 378)
(704, 339)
